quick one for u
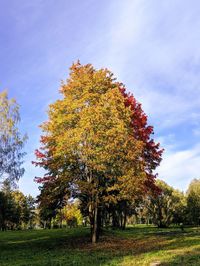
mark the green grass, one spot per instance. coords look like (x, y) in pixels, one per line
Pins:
(135, 246)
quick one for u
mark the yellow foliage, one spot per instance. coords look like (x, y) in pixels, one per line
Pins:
(91, 139)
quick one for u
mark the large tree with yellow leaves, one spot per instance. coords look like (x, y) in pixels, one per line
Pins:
(94, 144)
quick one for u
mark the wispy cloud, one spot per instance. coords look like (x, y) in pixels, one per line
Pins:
(180, 167)
(155, 48)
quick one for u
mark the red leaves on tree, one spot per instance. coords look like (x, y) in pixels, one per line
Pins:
(43, 179)
(44, 161)
(142, 131)
(39, 154)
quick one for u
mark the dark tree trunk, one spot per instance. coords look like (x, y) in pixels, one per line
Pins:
(124, 220)
(115, 220)
(95, 225)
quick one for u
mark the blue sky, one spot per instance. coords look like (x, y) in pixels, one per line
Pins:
(152, 46)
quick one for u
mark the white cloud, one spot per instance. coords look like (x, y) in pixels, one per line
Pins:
(178, 168)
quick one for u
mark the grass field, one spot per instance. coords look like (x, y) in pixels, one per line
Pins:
(134, 246)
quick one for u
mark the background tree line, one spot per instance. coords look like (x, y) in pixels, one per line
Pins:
(169, 207)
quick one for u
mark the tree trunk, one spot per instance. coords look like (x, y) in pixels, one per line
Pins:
(115, 220)
(124, 220)
(95, 225)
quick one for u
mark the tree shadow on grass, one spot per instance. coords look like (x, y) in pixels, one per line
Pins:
(73, 247)
(65, 247)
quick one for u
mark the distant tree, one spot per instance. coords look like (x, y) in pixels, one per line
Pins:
(32, 215)
(25, 207)
(180, 207)
(9, 213)
(71, 214)
(16, 209)
(53, 197)
(193, 202)
(97, 140)
(11, 141)
(6, 211)
(167, 207)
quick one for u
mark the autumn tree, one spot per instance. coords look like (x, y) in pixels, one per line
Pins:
(97, 140)
(71, 214)
(11, 141)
